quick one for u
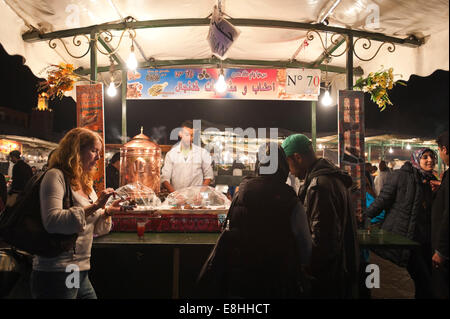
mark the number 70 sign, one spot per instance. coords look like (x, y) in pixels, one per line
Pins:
(303, 81)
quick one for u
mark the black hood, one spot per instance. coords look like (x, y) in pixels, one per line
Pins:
(264, 158)
(262, 193)
(324, 167)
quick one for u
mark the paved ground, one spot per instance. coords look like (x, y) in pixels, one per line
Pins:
(395, 282)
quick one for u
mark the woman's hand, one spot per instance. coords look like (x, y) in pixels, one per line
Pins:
(116, 207)
(103, 197)
(435, 185)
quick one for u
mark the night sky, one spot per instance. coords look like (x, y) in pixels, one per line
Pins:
(420, 109)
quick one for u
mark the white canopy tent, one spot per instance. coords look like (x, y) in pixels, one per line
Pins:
(427, 21)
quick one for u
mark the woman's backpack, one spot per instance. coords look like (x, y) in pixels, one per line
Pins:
(21, 224)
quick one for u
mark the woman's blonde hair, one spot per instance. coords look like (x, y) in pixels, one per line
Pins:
(67, 157)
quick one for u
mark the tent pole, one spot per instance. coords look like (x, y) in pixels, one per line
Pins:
(124, 106)
(93, 52)
(313, 124)
(349, 64)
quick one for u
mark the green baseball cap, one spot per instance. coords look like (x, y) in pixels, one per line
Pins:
(296, 143)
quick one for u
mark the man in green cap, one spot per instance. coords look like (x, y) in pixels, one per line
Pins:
(326, 197)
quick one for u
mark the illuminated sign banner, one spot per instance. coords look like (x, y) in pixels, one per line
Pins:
(256, 84)
(90, 115)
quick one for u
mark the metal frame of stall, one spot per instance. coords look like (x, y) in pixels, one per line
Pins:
(345, 36)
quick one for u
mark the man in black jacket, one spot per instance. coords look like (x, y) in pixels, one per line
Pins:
(327, 200)
(439, 228)
(21, 173)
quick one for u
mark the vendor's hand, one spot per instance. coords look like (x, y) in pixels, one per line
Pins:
(435, 185)
(103, 197)
(437, 260)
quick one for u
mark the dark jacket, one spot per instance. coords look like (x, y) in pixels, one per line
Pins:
(257, 257)
(21, 173)
(3, 189)
(407, 202)
(112, 177)
(439, 218)
(335, 253)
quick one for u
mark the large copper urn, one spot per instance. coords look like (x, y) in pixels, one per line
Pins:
(140, 161)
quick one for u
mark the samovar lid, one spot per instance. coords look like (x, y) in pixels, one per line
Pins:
(142, 141)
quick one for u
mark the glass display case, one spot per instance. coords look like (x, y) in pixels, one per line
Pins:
(137, 198)
(196, 197)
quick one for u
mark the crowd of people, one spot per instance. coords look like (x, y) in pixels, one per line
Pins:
(411, 202)
(276, 243)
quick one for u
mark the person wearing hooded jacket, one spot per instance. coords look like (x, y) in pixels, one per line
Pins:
(262, 251)
(407, 198)
(326, 197)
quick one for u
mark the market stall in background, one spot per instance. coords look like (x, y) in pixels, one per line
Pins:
(34, 151)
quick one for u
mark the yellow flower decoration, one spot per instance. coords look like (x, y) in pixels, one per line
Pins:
(378, 84)
(60, 79)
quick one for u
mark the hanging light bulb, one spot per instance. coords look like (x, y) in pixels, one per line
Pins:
(326, 98)
(132, 62)
(320, 146)
(408, 147)
(221, 85)
(111, 89)
(391, 150)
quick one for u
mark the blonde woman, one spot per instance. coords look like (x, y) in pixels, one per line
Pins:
(74, 161)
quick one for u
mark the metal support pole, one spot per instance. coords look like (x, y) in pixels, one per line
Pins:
(124, 107)
(313, 124)
(369, 153)
(383, 152)
(349, 64)
(93, 52)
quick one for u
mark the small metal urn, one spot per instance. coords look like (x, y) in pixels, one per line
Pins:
(140, 161)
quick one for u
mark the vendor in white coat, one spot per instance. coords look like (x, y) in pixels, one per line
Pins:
(186, 164)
